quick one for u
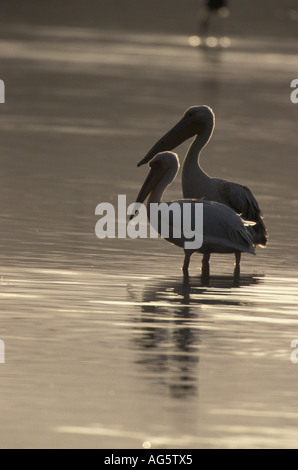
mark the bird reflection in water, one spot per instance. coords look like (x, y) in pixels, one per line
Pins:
(169, 329)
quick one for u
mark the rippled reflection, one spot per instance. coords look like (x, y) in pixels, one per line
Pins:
(169, 328)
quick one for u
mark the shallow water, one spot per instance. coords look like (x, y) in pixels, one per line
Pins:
(105, 345)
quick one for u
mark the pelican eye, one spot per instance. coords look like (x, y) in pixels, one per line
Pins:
(153, 164)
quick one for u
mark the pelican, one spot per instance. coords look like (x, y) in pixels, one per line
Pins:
(199, 121)
(224, 231)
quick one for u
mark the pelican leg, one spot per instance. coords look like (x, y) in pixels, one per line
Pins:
(237, 266)
(205, 266)
(186, 262)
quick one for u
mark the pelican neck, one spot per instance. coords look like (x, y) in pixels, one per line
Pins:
(191, 163)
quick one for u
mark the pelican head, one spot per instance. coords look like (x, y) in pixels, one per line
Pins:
(196, 120)
(163, 169)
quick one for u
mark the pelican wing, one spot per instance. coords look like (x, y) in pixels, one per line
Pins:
(224, 230)
(241, 199)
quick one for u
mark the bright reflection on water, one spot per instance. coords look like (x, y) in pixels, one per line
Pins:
(119, 361)
(105, 345)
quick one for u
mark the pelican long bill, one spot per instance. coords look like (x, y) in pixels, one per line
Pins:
(154, 176)
(182, 131)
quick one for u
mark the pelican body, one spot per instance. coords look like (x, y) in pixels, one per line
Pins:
(199, 121)
(224, 231)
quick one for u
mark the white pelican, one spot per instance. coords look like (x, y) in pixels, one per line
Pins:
(199, 121)
(223, 230)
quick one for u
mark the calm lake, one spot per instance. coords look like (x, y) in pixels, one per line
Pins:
(105, 345)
